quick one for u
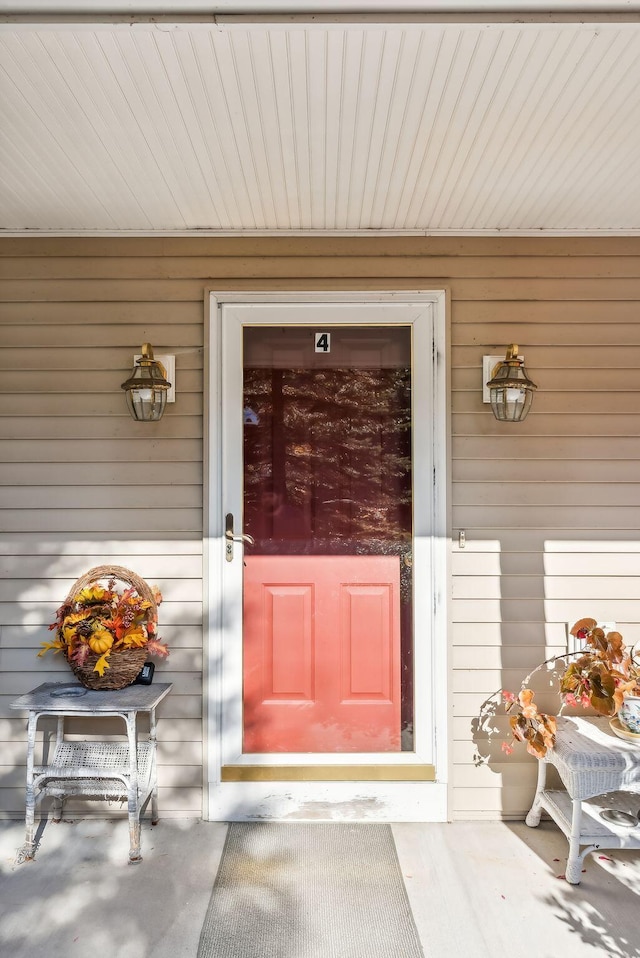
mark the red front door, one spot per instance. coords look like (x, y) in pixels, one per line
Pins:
(327, 647)
(322, 653)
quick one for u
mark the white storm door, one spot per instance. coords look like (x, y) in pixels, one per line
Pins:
(326, 661)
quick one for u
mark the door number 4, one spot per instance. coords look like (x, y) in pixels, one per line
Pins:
(323, 342)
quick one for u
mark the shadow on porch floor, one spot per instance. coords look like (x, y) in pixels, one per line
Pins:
(477, 889)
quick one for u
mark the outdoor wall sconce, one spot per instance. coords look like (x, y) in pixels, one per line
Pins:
(510, 389)
(147, 388)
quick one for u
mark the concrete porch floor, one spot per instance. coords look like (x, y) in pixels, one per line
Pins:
(477, 889)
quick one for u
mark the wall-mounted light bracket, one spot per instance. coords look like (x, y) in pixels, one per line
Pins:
(168, 364)
(510, 389)
(147, 387)
(489, 365)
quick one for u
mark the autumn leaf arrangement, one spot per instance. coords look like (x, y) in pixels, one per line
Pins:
(100, 621)
(598, 677)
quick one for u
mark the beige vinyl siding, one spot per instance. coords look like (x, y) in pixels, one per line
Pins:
(550, 507)
(83, 485)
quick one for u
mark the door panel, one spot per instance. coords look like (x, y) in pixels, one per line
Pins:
(322, 654)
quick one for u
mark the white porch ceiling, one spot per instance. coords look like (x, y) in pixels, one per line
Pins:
(320, 125)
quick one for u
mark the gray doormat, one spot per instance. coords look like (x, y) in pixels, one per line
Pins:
(309, 891)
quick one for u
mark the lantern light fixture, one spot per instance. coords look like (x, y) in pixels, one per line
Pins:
(147, 387)
(510, 389)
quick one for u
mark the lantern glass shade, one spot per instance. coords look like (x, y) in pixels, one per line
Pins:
(146, 389)
(510, 389)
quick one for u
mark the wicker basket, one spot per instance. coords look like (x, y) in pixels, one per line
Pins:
(124, 665)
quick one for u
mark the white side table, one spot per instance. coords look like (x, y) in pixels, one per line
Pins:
(106, 770)
(591, 762)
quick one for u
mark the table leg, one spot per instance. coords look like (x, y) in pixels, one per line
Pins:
(574, 861)
(30, 801)
(58, 803)
(133, 803)
(535, 813)
(135, 854)
(154, 767)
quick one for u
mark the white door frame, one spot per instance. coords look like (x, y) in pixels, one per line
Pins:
(353, 800)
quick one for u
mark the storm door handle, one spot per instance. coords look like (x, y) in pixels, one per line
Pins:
(231, 538)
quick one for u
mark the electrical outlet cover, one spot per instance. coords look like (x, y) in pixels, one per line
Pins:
(577, 645)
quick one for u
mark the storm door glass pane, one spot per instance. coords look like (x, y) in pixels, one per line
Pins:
(327, 473)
